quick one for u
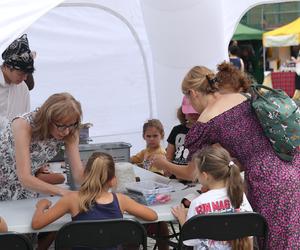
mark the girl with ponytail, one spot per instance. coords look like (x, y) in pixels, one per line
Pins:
(220, 174)
(93, 201)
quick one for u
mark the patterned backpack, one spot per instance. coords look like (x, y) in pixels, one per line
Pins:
(279, 117)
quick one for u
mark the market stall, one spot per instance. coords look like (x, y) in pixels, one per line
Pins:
(244, 32)
(287, 35)
(284, 74)
(250, 44)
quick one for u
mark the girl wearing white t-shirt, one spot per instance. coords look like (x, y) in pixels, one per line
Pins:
(220, 174)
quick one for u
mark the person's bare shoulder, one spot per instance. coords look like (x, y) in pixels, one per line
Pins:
(72, 199)
(74, 195)
(20, 123)
(223, 104)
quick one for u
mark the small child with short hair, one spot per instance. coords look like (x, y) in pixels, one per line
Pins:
(187, 115)
(3, 226)
(220, 174)
(153, 133)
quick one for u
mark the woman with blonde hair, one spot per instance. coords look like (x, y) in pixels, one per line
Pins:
(228, 119)
(34, 138)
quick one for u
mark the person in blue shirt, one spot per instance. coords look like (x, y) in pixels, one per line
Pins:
(234, 58)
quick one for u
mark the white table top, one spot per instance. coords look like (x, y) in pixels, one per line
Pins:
(18, 213)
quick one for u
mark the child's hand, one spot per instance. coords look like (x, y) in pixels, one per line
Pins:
(44, 169)
(167, 173)
(43, 204)
(180, 213)
(158, 160)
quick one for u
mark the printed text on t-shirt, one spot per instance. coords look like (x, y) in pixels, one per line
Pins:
(214, 206)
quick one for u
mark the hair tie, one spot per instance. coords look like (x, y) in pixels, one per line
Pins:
(211, 81)
(230, 164)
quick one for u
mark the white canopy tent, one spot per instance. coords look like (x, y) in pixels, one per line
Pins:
(123, 59)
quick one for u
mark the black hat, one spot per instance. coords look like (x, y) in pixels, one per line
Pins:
(18, 55)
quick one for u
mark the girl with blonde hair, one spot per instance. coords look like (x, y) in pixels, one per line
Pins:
(93, 201)
(220, 174)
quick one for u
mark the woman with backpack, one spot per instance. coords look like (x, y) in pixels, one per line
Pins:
(227, 118)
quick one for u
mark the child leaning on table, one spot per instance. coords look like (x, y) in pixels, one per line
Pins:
(153, 133)
(221, 175)
(93, 201)
(3, 226)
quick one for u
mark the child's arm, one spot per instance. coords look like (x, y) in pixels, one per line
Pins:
(52, 178)
(181, 172)
(180, 212)
(44, 214)
(251, 242)
(134, 208)
(170, 152)
(138, 158)
(3, 226)
(44, 174)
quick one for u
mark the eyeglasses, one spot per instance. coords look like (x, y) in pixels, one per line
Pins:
(61, 127)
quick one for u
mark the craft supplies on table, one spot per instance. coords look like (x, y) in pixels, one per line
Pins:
(150, 192)
(125, 174)
(120, 152)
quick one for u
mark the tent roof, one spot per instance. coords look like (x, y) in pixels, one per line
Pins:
(244, 32)
(287, 35)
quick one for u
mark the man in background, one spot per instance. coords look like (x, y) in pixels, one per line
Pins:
(18, 63)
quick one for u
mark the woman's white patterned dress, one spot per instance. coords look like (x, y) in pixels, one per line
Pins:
(40, 152)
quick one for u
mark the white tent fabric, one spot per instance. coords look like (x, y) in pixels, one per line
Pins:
(101, 55)
(186, 33)
(98, 50)
(16, 16)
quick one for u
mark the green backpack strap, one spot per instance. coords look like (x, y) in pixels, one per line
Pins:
(247, 95)
(256, 87)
